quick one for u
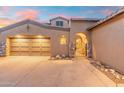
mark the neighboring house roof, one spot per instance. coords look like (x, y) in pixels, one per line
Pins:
(34, 23)
(113, 15)
(58, 18)
(85, 19)
(47, 23)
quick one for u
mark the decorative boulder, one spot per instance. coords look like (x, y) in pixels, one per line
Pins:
(63, 56)
(112, 70)
(122, 77)
(102, 69)
(52, 58)
(98, 63)
(106, 70)
(106, 66)
(58, 57)
(102, 66)
(118, 76)
(67, 58)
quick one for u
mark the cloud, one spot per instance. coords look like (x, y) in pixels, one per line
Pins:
(61, 15)
(4, 10)
(5, 21)
(28, 14)
(65, 16)
(106, 12)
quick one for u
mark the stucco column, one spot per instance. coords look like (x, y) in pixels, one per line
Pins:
(89, 50)
(72, 49)
(71, 44)
(2, 48)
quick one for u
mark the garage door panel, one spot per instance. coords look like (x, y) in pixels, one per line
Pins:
(15, 49)
(45, 49)
(20, 40)
(36, 44)
(33, 47)
(45, 53)
(35, 53)
(20, 44)
(40, 40)
(24, 49)
(36, 49)
(23, 44)
(14, 53)
(24, 53)
(46, 45)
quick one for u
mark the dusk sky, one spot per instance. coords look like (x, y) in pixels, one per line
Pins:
(9, 14)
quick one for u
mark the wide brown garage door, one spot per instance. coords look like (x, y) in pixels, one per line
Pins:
(30, 46)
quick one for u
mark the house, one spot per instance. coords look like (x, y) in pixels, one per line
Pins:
(58, 37)
(107, 38)
(59, 22)
(89, 37)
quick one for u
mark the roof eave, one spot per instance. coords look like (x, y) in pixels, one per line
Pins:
(84, 19)
(32, 22)
(105, 20)
(59, 17)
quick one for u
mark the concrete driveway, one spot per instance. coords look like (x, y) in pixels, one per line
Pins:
(28, 71)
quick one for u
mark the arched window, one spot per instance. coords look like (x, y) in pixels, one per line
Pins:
(63, 40)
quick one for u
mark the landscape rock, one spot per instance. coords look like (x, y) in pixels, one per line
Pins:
(58, 57)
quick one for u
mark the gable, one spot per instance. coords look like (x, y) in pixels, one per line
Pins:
(62, 18)
(27, 22)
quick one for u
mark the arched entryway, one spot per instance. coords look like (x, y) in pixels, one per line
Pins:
(81, 45)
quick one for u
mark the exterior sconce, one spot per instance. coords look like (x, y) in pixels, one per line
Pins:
(63, 40)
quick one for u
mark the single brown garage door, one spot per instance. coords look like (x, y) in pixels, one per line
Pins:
(30, 46)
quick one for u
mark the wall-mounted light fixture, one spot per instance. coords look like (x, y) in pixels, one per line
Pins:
(63, 40)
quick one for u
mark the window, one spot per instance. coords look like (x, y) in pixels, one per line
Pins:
(63, 40)
(59, 23)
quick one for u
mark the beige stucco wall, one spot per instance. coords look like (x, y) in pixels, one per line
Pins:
(55, 35)
(108, 43)
(65, 22)
(80, 26)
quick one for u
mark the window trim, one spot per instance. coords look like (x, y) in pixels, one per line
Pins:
(60, 23)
